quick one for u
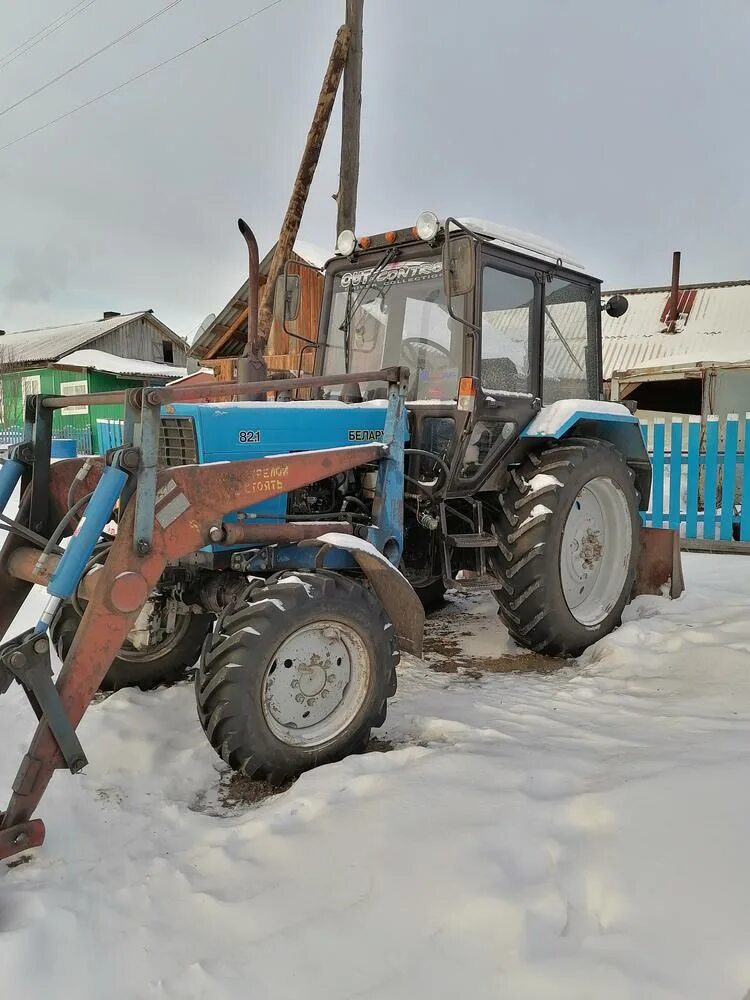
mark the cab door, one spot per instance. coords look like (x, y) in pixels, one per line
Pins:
(508, 365)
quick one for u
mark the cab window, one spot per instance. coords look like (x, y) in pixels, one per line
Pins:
(569, 341)
(507, 308)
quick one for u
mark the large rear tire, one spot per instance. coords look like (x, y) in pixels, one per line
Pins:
(568, 543)
(145, 668)
(298, 677)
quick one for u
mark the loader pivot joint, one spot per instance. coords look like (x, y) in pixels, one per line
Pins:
(26, 659)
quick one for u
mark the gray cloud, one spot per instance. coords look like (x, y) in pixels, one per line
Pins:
(611, 127)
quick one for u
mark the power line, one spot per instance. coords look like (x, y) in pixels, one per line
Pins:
(104, 48)
(139, 76)
(45, 32)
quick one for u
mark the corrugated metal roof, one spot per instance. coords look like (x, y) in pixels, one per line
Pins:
(51, 343)
(102, 361)
(715, 330)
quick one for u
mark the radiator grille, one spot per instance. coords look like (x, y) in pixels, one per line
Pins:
(177, 444)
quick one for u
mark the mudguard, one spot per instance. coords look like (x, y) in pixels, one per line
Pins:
(601, 420)
(393, 590)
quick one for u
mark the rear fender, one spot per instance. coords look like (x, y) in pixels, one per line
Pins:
(600, 421)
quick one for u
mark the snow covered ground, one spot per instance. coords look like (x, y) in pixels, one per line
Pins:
(564, 833)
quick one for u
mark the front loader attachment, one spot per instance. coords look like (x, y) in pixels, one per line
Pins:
(164, 515)
(659, 564)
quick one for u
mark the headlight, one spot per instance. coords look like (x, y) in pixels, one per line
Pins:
(346, 242)
(427, 226)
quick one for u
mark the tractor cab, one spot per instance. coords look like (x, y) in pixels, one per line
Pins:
(493, 324)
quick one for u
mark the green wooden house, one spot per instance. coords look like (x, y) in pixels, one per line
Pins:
(115, 352)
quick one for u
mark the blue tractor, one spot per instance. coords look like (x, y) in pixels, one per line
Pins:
(452, 434)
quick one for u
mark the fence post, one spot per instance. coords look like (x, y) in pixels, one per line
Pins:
(745, 515)
(657, 489)
(728, 477)
(712, 464)
(693, 463)
(675, 473)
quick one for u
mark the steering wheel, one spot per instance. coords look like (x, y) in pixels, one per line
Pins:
(410, 349)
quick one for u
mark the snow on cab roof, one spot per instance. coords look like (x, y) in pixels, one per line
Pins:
(516, 239)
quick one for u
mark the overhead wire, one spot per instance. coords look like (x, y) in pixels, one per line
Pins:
(49, 29)
(139, 76)
(105, 48)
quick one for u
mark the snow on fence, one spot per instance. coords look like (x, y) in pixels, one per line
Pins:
(701, 477)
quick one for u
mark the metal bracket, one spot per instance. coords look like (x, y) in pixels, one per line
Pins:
(145, 498)
(41, 435)
(26, 659)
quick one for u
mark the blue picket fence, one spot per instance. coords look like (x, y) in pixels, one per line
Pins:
(109, 433)
(701, 476)
(81, 435)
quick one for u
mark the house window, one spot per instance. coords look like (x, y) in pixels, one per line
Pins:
(31, 385)
(168, 351)
(74, 389)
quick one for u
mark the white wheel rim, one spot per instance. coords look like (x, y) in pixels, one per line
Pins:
(316, 684)
(595, 551)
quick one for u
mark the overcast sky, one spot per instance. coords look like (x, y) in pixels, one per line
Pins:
(617, 128)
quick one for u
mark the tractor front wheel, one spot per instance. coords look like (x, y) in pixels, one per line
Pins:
(144, 665)
(568, 543)
(297, 677)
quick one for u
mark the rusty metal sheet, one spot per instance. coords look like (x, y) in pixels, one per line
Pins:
(659, 563)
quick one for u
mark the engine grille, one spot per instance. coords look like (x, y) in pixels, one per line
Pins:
(177, 443)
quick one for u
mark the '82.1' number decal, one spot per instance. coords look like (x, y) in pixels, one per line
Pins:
(249, 437)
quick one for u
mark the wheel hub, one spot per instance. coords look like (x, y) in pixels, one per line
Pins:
(315, 683)
(595, 550)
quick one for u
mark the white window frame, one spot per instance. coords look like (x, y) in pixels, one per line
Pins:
(31, 385)
(77, 388)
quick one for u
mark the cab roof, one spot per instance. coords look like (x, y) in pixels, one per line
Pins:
(521, 242)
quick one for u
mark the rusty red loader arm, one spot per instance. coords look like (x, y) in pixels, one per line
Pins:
(165, 514)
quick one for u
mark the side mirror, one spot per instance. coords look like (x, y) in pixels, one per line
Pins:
(617, 305)
(458, 266)
(286, 298)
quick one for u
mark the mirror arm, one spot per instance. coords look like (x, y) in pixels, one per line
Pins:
(473, 329)
(283, 313)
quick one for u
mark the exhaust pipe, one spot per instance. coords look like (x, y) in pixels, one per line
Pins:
(674, 295)
(251, 366)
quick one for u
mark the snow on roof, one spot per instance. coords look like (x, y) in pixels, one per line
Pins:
(51, 343)
(715, 329)
(313, 254)
(101, 361)
(516, 239)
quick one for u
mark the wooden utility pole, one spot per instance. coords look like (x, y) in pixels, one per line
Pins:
(346, 199)
(310, 157)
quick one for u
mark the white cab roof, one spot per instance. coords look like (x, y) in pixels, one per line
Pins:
(527, 243)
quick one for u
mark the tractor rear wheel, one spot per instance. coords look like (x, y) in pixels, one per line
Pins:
(297, 677)
(568, 543)
(163, 662)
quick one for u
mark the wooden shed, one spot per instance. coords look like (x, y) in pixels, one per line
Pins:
(223, 341)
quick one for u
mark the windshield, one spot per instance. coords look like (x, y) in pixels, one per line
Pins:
(390, 314)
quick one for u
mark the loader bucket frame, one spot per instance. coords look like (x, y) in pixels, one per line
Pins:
(165, 514)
